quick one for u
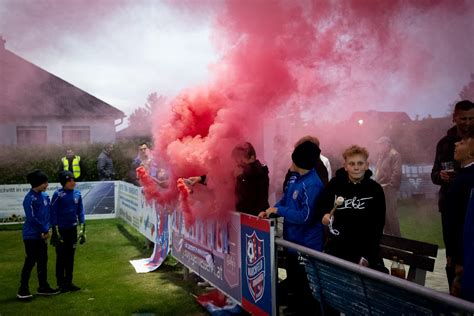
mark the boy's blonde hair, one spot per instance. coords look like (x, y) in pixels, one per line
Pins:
(355, 150)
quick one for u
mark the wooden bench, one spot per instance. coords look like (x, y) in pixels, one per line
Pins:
(420, 256)
(356, 290)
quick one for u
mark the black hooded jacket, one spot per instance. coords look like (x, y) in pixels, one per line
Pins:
(444, 153)
(360, 220)
(251, 189)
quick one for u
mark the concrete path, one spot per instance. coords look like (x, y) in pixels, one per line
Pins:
(437, 279)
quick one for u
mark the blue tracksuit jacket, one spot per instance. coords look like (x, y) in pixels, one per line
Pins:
(297, 208)
(37, 208)
(67, 208)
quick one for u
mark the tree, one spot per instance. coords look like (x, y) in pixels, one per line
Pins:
(140, 121)
(467, 92)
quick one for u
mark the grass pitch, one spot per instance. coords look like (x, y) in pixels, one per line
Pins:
(109, 283)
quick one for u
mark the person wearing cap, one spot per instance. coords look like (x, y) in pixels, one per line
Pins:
(35, 234)
(358, 223)
(297, 209)
(388, 173)
(321, 165)
(67, 212)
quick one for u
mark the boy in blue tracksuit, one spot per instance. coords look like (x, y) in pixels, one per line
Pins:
(67, 212)
(300, 226)
(35, 234)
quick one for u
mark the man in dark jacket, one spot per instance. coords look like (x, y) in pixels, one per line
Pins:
(463, 117)
(105, 165)
(358, 223)
(458, 199)
(251, 187)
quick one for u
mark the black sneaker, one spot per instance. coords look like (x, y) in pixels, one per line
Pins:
(73, 288)
(64, 289)
(24, 294)
(47, 291)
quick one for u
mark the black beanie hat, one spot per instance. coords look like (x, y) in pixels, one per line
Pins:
(36, 178)
(305, 155)
(65, 176)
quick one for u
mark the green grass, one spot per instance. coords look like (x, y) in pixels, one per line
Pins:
(420, 220)
(109, 283)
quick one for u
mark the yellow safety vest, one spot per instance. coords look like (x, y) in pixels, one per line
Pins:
(76, 169)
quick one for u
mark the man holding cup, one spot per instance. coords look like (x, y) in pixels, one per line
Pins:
(444, 168)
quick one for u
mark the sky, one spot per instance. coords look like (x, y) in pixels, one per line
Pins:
(118, 51)
(229, 67)
(121, 51)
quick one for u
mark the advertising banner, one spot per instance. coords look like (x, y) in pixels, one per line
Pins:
(150, 219)
(258, 266)
(98, 199)
(211, 249)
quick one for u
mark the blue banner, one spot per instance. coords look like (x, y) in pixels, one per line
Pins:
(257, 255)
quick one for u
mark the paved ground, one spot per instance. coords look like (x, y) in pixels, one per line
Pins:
(437, 279)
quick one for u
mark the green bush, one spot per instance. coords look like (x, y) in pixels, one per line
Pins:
(16, 162)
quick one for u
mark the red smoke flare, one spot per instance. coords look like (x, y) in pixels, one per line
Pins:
(280, 58)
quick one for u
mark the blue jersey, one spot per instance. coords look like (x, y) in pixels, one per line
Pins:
(66, 208)
(297, 208)
(37, 208)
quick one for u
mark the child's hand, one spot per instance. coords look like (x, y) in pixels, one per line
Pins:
(82, 234)
(326, 219)
(82, 238)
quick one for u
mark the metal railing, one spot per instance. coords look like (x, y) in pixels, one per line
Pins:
(437, 298)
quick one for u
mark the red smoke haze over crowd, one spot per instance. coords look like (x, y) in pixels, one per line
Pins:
(326, 58)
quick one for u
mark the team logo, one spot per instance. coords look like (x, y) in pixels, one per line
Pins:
(295, 195)
(255, 271)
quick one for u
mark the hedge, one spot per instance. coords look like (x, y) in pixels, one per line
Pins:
(16, 162)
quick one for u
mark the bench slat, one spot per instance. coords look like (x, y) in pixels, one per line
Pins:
(410, 259)
(354, 294)
(417, 247)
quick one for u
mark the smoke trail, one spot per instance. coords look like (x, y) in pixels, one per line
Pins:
(281, 57)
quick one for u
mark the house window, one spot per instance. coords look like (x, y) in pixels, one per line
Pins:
(31, 135)
(76, 135)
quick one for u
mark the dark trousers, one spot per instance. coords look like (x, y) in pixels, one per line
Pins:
(36, 253)
(300, 298)
(65, 255)
(446, 223)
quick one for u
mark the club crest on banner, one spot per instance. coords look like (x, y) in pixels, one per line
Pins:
(255, 265)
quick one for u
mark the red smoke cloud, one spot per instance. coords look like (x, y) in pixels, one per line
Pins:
(324, 57)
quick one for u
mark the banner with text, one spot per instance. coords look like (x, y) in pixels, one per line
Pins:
(211, 249)
(98, 199)
(150, 219)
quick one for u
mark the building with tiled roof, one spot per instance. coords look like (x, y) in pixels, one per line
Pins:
(37, 107)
